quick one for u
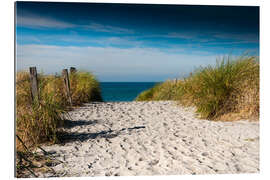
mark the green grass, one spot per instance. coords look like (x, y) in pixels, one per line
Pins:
(37, 121)
(162, 91)
(227, 91)
(84, 88)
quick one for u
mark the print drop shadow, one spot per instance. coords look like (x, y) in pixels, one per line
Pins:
(65, 137)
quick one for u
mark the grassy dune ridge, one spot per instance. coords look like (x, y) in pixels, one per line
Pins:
(227, 91)
(37, 121)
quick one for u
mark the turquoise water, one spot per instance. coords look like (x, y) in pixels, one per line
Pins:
(123, 91)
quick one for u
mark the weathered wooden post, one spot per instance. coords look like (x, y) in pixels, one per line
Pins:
(72, 70)
(67, 84)
(34, 83)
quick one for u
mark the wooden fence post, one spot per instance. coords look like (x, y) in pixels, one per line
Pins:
(72, 70)
(67, 84)
(34, 83)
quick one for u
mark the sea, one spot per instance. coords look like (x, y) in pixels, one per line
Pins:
(123, 91)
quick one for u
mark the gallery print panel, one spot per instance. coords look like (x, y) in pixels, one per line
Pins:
(111, 89)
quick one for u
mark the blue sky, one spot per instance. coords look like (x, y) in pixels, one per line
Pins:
(121, 42)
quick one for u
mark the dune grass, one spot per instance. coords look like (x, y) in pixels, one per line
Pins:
(37, 120)
(84, 88)
(162, 91)
(227, 91)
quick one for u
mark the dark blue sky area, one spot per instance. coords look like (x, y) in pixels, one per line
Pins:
(172, 29)
(150, 17)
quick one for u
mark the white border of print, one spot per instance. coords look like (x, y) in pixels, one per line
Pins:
(7, 86)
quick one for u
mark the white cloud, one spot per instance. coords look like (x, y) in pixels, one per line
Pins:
(107, 28)
(42, 22)
(75, 39)
(209, 37)
(174, 35)
(109, 63)
(36, 21)
(181, 35)
(240, 38)
(116, 41)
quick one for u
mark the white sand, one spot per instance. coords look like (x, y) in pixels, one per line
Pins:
(153, 138)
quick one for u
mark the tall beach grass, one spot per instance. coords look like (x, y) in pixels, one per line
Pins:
(227, 91)
(84, 88)
(37, 120)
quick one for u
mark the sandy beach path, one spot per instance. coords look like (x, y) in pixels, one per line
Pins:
(152, 138)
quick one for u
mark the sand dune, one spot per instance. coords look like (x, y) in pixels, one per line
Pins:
(152, 138)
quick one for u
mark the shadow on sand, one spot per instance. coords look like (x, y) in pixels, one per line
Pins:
(70, 124)
(65, 137)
